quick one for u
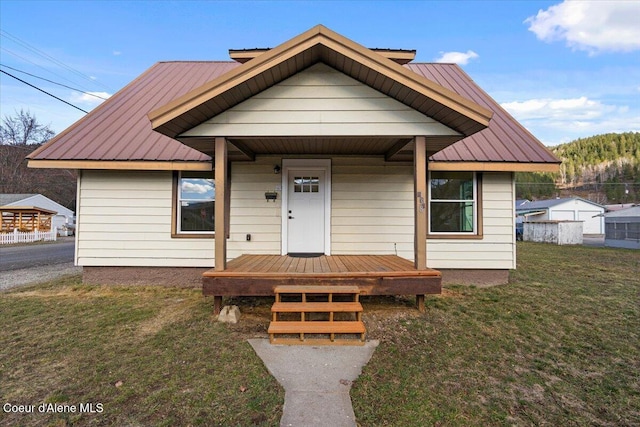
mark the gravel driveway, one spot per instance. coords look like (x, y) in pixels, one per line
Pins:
(28, 276)
(44, 266)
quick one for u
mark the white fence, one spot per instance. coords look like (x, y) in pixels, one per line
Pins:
(28, 237)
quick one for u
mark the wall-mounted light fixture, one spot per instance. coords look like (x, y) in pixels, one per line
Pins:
(276, 169)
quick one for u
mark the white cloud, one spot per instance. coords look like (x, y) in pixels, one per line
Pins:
(91, 99)
(195, 188)
(557, 120)
(592, 26)
(460, 58)
(117, 53)
(568, 109)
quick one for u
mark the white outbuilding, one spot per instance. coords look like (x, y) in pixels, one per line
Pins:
(567, 209)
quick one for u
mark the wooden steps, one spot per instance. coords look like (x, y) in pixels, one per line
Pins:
(317, 307)
(317, 327)
(317, 315)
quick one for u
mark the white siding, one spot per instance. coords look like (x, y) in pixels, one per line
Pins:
(373, 210)
(251, 213)
(496, 249)
(372, 207)
(124, 219)
(320, 101)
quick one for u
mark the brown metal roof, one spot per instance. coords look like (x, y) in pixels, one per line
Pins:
(505, 140)
(119, 131)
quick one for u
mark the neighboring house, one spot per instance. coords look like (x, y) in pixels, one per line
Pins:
(567, 209)
(61, 216)
(618, 206)
(317, 146)
(622, 228)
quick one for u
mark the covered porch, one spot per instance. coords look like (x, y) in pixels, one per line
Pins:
(304, 104)
(258, 275)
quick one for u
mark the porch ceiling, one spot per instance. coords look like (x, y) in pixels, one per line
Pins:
(393, 148)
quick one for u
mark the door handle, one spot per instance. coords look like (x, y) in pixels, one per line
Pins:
(290, 217)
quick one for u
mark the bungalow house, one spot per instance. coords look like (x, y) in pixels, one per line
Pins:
(318, 156)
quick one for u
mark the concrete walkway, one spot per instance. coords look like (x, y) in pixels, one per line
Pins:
(316, 380)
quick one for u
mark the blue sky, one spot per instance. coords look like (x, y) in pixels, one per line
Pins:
(564, 69)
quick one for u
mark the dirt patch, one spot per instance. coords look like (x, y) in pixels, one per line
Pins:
(79, 291)
(176, 312)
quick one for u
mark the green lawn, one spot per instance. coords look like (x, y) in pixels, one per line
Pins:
(150, 356)
(560, 345)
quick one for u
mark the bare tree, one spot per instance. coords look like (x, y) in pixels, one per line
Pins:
(19, 136)
(23, 129)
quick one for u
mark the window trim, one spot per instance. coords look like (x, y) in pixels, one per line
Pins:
(478, 222)
(174, 210)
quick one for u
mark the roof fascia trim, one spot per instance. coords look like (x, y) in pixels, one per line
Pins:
(494, 166)
(7, 208)
(120, 165)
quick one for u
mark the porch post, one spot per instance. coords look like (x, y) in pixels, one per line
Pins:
(420, 209)
(220, 222)
(220, 174)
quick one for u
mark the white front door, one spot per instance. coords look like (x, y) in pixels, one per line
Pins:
(306, 211)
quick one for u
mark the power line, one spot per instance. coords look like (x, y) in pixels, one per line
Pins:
(51, 81)
(44, 91)
(45, 55)
(41, 67)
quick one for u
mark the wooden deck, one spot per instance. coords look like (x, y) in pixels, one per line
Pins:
(258, 275)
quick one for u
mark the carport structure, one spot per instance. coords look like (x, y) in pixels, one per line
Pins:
(25, 218)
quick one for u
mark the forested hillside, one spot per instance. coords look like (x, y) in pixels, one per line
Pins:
(605, 166)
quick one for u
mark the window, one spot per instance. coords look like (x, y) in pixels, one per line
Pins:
(196, 195)
(453, 203)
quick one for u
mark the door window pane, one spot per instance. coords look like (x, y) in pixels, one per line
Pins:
(306, 184)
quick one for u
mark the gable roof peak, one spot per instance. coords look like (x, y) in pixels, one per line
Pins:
(320, 44)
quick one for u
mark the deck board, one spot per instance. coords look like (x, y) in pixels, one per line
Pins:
(360, 264)
(255, 275)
